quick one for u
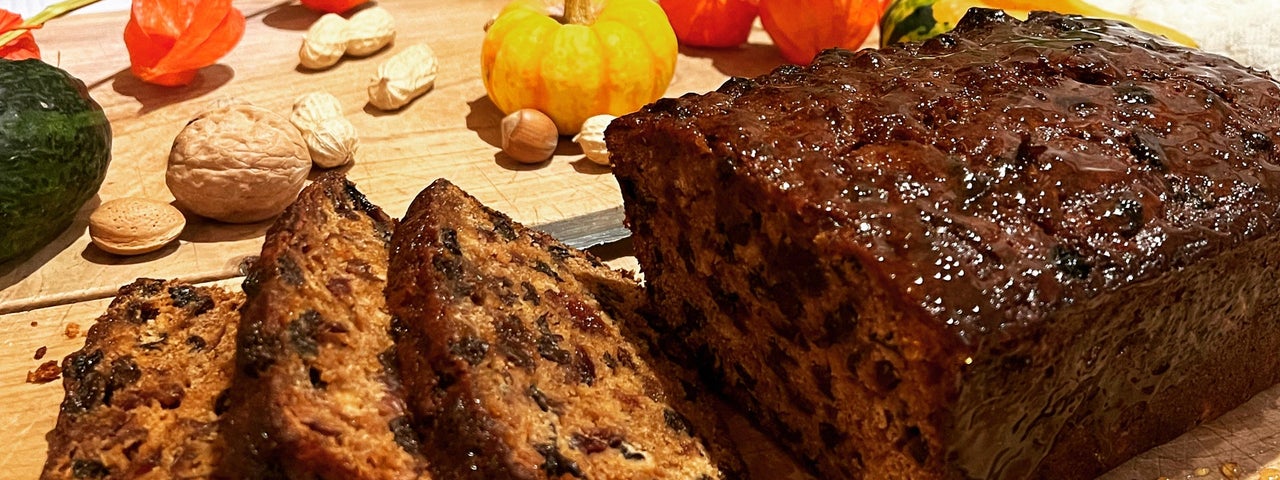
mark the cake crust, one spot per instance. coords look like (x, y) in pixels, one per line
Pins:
(972, 239)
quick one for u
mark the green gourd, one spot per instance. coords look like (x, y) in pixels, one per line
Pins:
(55, 145)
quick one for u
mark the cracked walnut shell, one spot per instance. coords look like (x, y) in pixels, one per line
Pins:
(237, 164)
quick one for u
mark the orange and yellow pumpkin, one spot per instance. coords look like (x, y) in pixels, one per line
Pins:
(574, 59)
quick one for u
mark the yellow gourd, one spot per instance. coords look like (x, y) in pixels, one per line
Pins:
(578, 58)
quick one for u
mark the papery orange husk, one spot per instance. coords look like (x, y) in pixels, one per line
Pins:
(802, 28)
(333, 6)
(170, 40)
(711, 23)
(20, 48)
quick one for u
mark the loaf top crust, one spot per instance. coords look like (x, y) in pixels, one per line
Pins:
(994, 174)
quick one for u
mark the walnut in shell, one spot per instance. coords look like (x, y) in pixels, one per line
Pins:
(237, 164)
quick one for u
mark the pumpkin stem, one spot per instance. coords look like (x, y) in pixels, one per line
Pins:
(579, 12)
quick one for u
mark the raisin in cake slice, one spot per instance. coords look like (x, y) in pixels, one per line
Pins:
(144, 395)
(514, 368)
(317, 393)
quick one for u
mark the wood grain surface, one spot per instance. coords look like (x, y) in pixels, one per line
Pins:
(450, 132)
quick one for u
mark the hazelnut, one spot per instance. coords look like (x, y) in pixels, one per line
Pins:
(133, 226)
(237, 164)
(529, 136)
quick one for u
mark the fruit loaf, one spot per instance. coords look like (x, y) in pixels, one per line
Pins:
(1018, 250)
(145, 395)
(520, 362)
(317, 394)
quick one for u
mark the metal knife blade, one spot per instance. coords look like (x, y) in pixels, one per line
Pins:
(585, 231)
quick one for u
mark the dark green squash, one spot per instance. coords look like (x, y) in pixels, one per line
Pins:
(55, 144)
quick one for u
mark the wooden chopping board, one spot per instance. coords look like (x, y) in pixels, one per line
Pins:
(450, 132)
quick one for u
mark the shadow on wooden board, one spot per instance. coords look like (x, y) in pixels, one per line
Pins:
(288, 16)
(484, 118)
(18, 269)
(746, 60)
(152, 97)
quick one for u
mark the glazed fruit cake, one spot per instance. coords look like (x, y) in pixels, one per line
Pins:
(1024, 249)
(317, 393)
(520, 362)
(145, 395)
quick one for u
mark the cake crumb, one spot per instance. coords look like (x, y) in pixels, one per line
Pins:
(1230, 470)
(1201, 472)
(45, 373)
(40, 352)
(73, 330)
(1269, 473)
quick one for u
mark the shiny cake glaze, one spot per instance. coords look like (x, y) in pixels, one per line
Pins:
(1026, 243)
(1008, 171)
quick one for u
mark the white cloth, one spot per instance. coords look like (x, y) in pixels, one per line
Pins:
(27, 8)
(1241, 29)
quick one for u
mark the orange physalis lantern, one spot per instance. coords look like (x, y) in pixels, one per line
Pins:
(170, 40)
(333, 6)
(20, 48)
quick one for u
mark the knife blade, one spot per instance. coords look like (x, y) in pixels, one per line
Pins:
(589, 230)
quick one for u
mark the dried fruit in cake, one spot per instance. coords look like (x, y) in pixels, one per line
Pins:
(515, 354)
(317, 393)
(145, 395)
